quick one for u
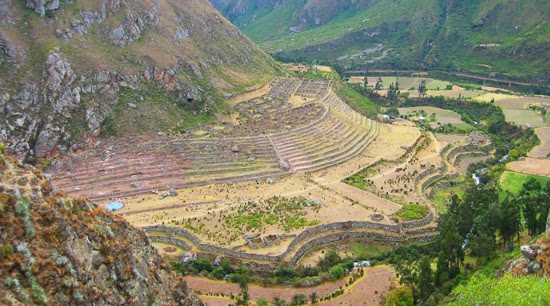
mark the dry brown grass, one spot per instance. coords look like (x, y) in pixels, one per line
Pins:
(535, 166)
(542, 150)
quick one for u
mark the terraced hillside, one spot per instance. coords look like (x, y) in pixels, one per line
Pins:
(279, 140)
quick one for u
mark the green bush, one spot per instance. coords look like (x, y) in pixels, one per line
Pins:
(412, 211)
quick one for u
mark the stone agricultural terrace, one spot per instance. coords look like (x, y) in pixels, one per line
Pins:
(293, 139)
(277, 140)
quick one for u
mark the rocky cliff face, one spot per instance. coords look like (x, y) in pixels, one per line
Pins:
(65, 65)
(60, 251)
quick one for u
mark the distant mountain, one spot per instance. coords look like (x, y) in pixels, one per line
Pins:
(502, 38)
(72, 69)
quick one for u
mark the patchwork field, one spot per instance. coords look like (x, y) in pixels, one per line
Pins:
(517, 108)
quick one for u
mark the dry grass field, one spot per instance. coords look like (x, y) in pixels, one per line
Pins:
(542, 150)
(535, 166)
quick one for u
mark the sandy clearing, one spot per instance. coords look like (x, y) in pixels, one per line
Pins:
(540, 167)
(365, 291)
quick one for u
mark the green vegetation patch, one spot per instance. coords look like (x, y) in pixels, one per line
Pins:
(412, 211)
(358, 102)
(513, 182)
(286, 213)
(507, 290)
(523, 117)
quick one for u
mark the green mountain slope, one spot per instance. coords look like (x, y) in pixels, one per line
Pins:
(70, 70)
(502, 38)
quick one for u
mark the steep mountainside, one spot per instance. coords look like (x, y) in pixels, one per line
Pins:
(60, 251)
(502, 38)
(69, 69)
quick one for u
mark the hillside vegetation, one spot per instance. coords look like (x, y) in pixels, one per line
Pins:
(70, 69)
(56, 250)
(506, 39)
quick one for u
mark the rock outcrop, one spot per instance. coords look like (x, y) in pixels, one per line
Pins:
(62, 251)
(63, 71)
(534, 259)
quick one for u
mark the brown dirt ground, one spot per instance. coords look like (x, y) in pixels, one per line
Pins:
(540, 167)
(366, 291)
(543, 149)
(449, 138)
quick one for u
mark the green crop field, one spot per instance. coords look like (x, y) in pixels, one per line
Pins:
(523, 117)
(513, 182)
(442, 115)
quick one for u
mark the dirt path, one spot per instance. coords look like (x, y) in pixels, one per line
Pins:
(367, 290)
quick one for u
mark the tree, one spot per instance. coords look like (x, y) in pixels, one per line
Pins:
(299, 299)
(392, 111)
(337, 272)
(422, 89)
(279, 301)
(450, 244)
(510, 221)
(402, 296)
(313, 297)
(535, 203)
(425, 278)
(379, 84)
(243, 298)
(391, 92)
(442, 269)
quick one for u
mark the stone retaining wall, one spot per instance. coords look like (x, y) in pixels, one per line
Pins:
(461, 157)
(417, 223)
(394, 233)
(170, 241)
